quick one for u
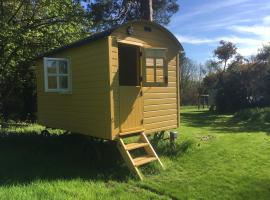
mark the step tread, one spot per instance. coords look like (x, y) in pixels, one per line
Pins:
(135, 145)
(143, 160)
(130, 133)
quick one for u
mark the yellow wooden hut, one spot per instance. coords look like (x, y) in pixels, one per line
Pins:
(114, 83)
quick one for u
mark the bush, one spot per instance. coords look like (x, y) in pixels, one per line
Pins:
(254, 115)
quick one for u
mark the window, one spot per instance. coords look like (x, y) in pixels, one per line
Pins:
(156, 70)
(57, 75)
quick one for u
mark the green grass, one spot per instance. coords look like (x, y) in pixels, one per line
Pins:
(216, 157)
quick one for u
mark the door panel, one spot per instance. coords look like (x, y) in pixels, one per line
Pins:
(130, 91)
(131, 109)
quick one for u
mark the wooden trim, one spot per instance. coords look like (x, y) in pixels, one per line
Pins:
(130, 43)
(177, 89)
(111, 103)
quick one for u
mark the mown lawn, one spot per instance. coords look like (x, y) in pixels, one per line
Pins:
(216, 157)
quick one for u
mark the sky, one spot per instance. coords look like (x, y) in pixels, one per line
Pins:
(200, 24)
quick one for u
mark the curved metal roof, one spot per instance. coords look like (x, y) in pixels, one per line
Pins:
(106, 33)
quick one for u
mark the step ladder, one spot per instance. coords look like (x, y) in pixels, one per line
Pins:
(134, 163)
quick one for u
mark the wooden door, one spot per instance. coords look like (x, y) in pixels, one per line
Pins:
(131, 102)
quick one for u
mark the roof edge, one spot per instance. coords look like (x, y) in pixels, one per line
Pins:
(104, 34)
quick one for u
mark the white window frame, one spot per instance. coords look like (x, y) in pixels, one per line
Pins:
(46, 75)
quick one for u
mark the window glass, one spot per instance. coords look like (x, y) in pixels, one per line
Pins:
(150, 74)
(159, 75)
(63, 69)
(63, 80)
(52, 67)
(150, 62)
(159, 62)
(52, 82)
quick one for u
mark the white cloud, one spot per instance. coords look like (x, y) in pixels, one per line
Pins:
(247, 51)
(259, 34)
(194, 40)
(233, 39)
(207, 8)
(246, 46)
(262, 31)
(266, 20)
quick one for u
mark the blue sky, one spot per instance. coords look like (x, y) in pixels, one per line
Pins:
(200, 24)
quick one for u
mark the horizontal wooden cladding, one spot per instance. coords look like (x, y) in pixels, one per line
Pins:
(66, 108)
(86, 109)
(172, 73)
(160, 107)
(159, 90)
(83, 118)
(159, 101)
(92, 48)
(159, 113)
(161, 124)
(160, 118)
(159, 95)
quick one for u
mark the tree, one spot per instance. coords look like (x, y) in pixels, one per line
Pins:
(212, 66)
(264, 53)
(29, 28)
(106, 14)
(189, 81)
(224, 52)
(245, 83)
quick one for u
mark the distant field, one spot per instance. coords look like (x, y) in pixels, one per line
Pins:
(217, 157)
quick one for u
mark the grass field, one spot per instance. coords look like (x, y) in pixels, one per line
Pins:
(217, 157)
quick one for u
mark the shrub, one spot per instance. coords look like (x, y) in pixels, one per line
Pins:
(254, 115)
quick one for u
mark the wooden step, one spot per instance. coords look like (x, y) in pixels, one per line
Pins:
(134, 163)
(135, 145)
(130, 133)
(143, 160)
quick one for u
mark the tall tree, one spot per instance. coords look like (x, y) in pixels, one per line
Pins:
(106, 14)
(225, 51)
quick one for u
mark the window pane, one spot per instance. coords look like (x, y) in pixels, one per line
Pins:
(63, 67)
(63, 81)
(52, 82)
(160, 75)
(51, 66)
(150, 62)
(159, 62)
(150, 75)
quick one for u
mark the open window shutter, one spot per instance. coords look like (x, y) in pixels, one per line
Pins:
(155, 69)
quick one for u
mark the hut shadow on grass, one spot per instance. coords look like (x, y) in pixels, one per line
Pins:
(26, 157)
(222, 123)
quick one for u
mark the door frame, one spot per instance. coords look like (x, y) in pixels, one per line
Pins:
(139, 48)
